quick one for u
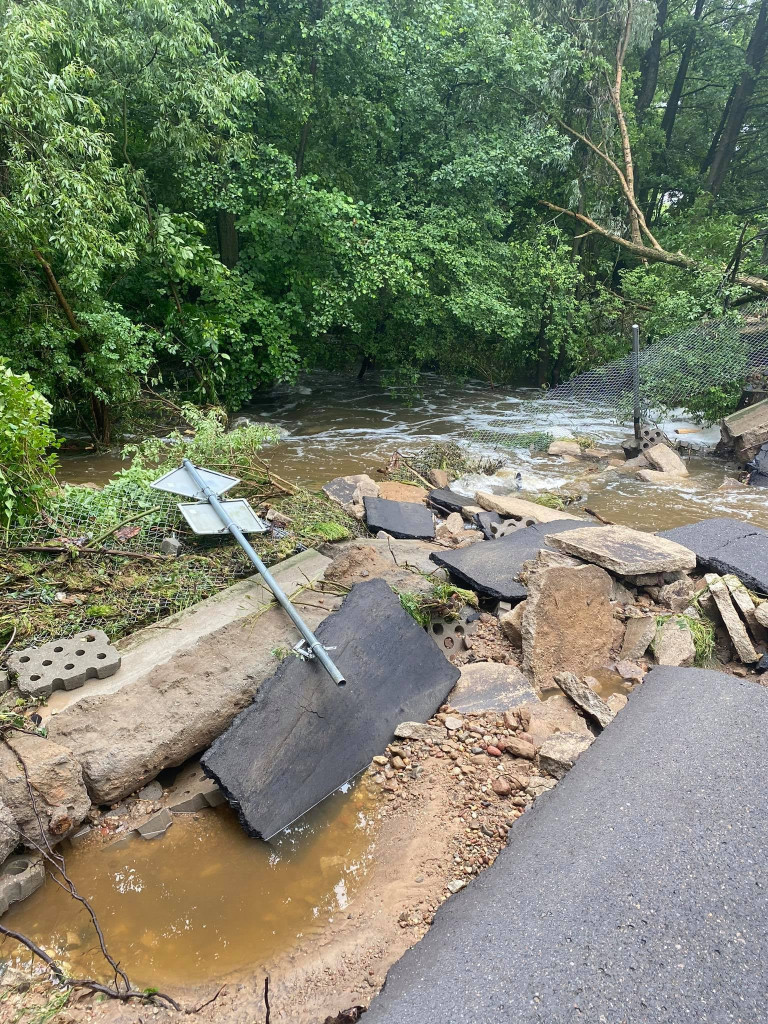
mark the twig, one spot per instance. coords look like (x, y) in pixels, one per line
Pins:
(602, 519)
(208, 1002)
(274, 478)
(266, 999)
(415, 472)
(7, 646)
(139, 515)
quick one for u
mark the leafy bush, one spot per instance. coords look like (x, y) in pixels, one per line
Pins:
(27, 463)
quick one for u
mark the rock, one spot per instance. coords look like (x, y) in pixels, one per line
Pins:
(741, 598)
(732, 484)
(456, 884)
(572, 448)
(674, 644)
(761, 614)
(585, 697)
(655, 476)
(349, 491)
(419, 731)
(192, 790)
(568, 621)
(5, 682)
(455, 523)
(393, 490)
(630, 671)
(490, 686)
(453, 722)
(728, 546)
(639, 634)
(171, 546)
(638, 462)
(539, 785)
(493, 750)
(731, 620)
(124, 739)
(676, 596)
(552, 716)
(19, 877)
(56, 779)
(406, 520)
(9, 837)
(746, 430)
(501, 787)
(516, 747)
(663, 458)
(153, 792)
(617, 702)
(438, 478)
(558, 755)
(621, 594)
(624, 551)
(157, 825)
(511, 623)
(517, 508)
(493, 569)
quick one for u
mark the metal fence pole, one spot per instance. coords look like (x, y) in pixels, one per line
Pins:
(636, 378)
(312, 642)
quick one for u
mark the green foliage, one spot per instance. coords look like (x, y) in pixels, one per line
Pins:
(27, 462)
(444, 599)
(702, 633)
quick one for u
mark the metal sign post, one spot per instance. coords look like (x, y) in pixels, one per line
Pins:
(205, 485)
(636, 378)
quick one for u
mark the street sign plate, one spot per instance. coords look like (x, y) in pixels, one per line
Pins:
(204, 521)
(178, 481)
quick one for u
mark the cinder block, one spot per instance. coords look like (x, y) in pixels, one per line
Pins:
(20, 876)
(63, 664)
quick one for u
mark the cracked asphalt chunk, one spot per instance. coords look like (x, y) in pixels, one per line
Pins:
(726, 546)
(303, 736)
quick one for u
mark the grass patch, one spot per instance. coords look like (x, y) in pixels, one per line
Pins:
(702, 633)
(549, 500)
(444, 600)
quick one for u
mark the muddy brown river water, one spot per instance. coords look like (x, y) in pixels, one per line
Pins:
(206, 901)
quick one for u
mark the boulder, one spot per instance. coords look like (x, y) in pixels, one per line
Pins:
(666, 460)
(59, 796)
(637, 637)
(393, 490)
(517, 508)
(655, 476)
(728, 546)
(731, 620)
(124, 739)
(674, 644)
(511, 623)
(676, 596)
(624, 551)
(631, 465)
(559, 754)
(585, 697)
(438, 478)
(490, 686)
(568, 622)
(572, 448)
(349, 491)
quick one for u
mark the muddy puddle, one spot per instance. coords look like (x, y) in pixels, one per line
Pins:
(334, 425)
(204, 901)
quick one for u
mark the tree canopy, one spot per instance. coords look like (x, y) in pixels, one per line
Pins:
(211, 196)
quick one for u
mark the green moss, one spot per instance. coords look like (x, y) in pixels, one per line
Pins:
(330, 531)
(102, 611)
(549, 500)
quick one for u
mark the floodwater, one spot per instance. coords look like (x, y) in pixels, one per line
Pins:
(204, 900)
(333, 425)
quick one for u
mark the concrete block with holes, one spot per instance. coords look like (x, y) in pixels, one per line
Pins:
(63, 664)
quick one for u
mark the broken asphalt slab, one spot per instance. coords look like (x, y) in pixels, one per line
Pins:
(727, 546)
(634, 891)
(492, 567)
(303, 737)
(406, 520)
(446, 501)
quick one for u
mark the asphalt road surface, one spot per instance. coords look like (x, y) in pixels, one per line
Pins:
(633, 893)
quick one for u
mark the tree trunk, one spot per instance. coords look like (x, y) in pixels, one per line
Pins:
(673, 103)
(745, 88)
(229, 247)
(649, 65)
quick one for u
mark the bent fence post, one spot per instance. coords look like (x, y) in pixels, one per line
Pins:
(636, 378)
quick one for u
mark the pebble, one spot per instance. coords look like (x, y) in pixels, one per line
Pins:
(493, 751)
(501, 787)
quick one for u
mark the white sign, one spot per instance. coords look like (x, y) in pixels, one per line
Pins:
(203, 519)
(178, 481)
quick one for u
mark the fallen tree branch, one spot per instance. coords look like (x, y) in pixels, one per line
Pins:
(131, 519)
(415, 472)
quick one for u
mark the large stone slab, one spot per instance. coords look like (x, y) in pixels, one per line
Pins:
(519, 508)
(490, 686)
(731, 619)
(665, 460)
(303, 737)
(492, 568)
(568, 623)
(727, 546)
(174, 707)
(405, 520)
(633, 892)
(624, 551)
